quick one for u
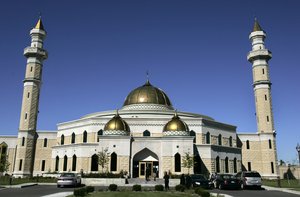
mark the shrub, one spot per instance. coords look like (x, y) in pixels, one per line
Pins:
(90, 189)
(159, 188)
(112, 187)
(80, 192)
(180, 188)
(136, 188)
(201, 192)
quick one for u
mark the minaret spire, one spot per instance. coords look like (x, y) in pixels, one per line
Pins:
(256, 26)
(35, 55)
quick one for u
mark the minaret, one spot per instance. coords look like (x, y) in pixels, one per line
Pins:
(35, 55)
(259, 57)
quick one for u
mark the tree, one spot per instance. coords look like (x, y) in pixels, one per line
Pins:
(103, 158)
(4, 164)
(188, 161)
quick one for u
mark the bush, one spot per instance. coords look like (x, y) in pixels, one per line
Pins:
(90, 189)
(112, 187)
(180, 188)
(80, 192)
(201, 192)
(159, 188)
(136, 188)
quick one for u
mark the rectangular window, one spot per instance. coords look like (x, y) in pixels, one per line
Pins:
(20, 165)
(263, 71)
(270, 144)
(266, 98)
(43, 165)
(31, 68)
(28, 94)
(25, 116)
(267, 118)
(249, 166)
(272, 167)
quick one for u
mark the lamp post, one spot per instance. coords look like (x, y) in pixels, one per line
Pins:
(298, 150)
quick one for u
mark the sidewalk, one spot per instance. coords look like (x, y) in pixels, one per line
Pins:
(287, 190)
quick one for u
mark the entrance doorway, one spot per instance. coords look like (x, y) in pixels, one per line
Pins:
(145, 162)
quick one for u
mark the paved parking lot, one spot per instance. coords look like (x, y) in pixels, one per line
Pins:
(41, 190)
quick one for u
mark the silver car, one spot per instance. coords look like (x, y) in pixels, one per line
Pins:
(68, 179)
(249, 179)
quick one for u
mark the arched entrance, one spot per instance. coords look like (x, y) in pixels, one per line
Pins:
(145, 162)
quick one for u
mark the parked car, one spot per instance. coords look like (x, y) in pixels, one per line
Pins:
(199, 180)
(226, 181)
(249, 179)
(68, 179)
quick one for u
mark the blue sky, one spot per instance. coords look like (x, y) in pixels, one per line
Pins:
(194, 50)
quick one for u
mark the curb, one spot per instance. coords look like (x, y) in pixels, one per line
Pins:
(217, 194)
(287, 190)
(20, 185)
(60, 194)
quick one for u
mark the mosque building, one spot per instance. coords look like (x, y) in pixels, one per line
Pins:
(147, 132)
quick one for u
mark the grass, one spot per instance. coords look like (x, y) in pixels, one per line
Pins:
(4, 180)
(284, 183)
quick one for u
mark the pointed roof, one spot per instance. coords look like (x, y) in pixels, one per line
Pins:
(39, 25)
(256, 26)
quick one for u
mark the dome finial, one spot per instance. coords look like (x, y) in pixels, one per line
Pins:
(256, 26)
(117, 112)
(39, 24)
(175, 115)
(147, 82)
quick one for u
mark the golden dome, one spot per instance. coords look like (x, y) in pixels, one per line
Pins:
(116, 124)
(176, 125)
(147, 94)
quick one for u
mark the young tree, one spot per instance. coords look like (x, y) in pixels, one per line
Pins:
(103, 158)
(4, 164)
(188, 161)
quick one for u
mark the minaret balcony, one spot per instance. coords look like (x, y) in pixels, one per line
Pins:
(259, 54)
(35, 52)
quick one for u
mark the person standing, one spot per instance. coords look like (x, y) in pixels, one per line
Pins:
(166, 177)
(182, 180)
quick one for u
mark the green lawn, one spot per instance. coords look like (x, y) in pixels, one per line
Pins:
(4, 180)
(284, 183)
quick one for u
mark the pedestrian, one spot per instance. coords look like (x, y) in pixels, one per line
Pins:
(188, 181)
(166, 177)
(182, 180)
(147, 173)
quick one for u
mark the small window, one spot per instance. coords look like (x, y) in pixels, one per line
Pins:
(23, 141)
(84, 137)
(177, 162)
(74, 162)
(267, 118)
(270, 144)
(207, 138)
(31, 68)
(56, 163)
(266, 98)
(217, 164)
(113, 161)
(73, 138)
(230, 141)
(28, 94)
(220, 139)
(20, 164)
(272, 167)
(25, 116)
(45, 142)
(65, 163)
(247, 144)
(43, 165)
(146, 133)
(100, 132)
(192, 133)
(62, 140)
(249, 166)
(263, 71)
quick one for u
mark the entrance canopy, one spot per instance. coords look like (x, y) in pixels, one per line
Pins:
(145, 155)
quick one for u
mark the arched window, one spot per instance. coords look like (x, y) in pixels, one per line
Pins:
(177, 162)
(45, 142)
(234, 165)
(220, 139)
(62, 140)
(94, 166)
(23, 141)
(146, 133)
(56, 163)
(84, 137)
(100, 132)
(73, 138)
(230, 141)
(207, 138)
(247, 144)
(65, 163)
(270, 144)
(74, 162)
(226, 165)
(113, 162)
(192, 133)
(218, 164)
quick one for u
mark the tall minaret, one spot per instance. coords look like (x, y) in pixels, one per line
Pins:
(35, 55)
(259, 57)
